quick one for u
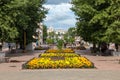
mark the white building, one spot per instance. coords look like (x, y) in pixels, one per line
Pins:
(40, 33)
(60, 31)
(50, 29)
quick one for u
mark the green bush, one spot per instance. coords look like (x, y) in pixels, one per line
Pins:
(60, 43)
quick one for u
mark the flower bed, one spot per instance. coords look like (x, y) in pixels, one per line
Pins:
(54, 60)
(68, 62)
(60, 51)
(58, 55)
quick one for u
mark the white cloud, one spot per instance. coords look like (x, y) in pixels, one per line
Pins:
(68, 22)
(60, 15)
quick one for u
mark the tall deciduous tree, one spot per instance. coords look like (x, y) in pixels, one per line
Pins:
(69, 36)
(34, 13)
(98, 20)
(18, 16)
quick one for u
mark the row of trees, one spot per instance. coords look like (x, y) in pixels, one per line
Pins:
(18, 17)
(98, 20)
(67, 37)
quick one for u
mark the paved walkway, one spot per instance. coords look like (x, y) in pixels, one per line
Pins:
(61, 74)
(107, 68)
(103, 62)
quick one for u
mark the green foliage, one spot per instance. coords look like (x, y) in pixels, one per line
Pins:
(8, 29)
(60, 43)
(44, 33)
(51, 34)
(72, 31)
(113, 33)
(32, 13)
(17, 16)
(69, 37)
(50, 41)
(71, 40)
(98, 20)
(66, 37)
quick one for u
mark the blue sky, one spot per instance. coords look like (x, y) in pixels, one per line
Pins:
(59, 15)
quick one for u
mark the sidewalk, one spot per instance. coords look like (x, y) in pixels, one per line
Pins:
(17, 59)
(61, 74)
(102, 62)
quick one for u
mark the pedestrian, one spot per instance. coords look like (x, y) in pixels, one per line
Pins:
(103, 47)
(9, 46)
(0, 46)
(65, 45)
(116, 47)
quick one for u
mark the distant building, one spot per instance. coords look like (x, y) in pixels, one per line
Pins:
(40, 33)
(50, 29)
(60, 31)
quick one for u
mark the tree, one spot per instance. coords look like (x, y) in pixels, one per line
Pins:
(60, 43)
(32, 13)
(51, 37)
(98, 20)
(51, 34)
(20, 16)
(69, 37)
(72, 31)
(50, 41)
(44, 33)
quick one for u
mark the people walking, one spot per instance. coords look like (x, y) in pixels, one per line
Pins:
(9, 46)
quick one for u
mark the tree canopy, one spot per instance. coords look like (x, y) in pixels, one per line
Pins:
(69, 36)
(98, 20)
(17, 16)
(7, 18)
